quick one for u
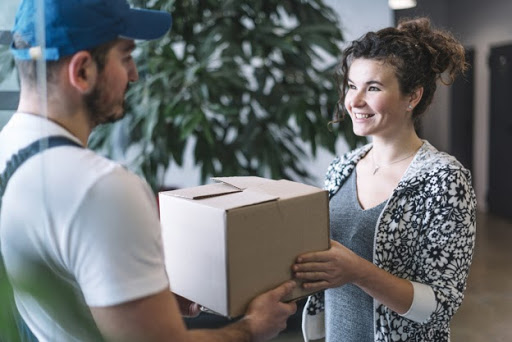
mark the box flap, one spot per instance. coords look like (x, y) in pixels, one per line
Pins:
(243, 182)
(203, 191)
(238, 199)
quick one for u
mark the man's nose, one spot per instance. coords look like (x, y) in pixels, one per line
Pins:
(133, 74)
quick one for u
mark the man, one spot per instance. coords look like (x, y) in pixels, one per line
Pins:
(79, 233)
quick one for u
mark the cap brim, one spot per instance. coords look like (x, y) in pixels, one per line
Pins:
(145, 24)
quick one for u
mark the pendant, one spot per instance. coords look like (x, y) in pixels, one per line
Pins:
(376, 169)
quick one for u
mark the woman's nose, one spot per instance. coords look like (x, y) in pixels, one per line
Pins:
(357, 99)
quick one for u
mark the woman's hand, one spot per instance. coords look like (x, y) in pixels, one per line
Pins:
(327, 269)
(339, 265)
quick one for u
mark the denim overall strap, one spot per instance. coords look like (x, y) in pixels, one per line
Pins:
(25, 335)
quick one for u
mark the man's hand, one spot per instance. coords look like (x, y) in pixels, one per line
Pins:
(267, 314)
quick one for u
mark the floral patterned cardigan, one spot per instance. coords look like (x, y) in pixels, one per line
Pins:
(426, 233)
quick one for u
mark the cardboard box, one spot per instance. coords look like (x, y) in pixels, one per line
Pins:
(226, 243)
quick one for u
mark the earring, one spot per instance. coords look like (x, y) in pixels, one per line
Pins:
(410, 107)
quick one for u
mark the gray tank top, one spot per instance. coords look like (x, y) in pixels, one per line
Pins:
(348, 309)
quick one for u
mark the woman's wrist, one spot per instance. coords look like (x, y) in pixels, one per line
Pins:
(364, 273)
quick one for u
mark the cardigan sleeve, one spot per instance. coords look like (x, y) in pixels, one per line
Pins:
(447, 240)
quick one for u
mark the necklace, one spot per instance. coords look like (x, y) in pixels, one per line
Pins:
(377, 167)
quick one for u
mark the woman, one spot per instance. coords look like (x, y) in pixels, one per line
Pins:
(402, 213)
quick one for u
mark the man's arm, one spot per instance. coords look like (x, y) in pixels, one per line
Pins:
(157, 318)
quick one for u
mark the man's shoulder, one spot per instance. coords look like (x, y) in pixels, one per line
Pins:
(94, 173)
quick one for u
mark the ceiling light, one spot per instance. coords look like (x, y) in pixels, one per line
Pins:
(401, 4)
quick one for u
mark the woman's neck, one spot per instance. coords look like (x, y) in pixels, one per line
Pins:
(389, 150)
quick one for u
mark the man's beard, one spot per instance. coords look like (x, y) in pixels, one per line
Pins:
(99, 111)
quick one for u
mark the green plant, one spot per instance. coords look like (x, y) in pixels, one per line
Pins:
(249, 82)
(8, 329)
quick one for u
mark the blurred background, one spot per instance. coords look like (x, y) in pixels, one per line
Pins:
(256, 98)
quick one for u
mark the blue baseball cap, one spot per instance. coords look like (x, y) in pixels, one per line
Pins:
(75, 25)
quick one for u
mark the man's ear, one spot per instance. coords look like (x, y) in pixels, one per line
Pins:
(82, 72)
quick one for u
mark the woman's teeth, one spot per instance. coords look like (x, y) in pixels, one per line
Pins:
(363, 116)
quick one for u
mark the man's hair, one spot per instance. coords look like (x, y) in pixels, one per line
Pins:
(28, 69)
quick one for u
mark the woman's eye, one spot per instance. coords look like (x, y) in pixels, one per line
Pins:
(351, 86)
(373, 89)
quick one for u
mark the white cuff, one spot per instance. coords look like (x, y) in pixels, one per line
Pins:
(423, 303)
(313, 326)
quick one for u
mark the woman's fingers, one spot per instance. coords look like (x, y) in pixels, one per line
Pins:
(312, 276)
(314, 257)
(309, 267)
(321, 256)
(325, 269)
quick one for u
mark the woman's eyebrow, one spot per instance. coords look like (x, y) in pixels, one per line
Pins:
(368, 82)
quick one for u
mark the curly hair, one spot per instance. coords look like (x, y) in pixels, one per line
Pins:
(419, 55)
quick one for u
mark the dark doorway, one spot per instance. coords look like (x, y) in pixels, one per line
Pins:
(500, 160)
(462, 112)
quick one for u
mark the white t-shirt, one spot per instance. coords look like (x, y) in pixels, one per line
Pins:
(76, 230)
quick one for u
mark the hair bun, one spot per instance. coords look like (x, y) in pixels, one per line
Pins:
(416, 28)
(446, 53)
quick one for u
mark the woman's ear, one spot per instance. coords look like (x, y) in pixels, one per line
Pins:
(82, 72)
(415, 97)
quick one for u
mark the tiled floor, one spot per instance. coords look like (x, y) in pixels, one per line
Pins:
(486, 313)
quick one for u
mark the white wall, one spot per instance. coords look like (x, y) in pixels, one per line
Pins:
(7, 12)
(359, 17)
